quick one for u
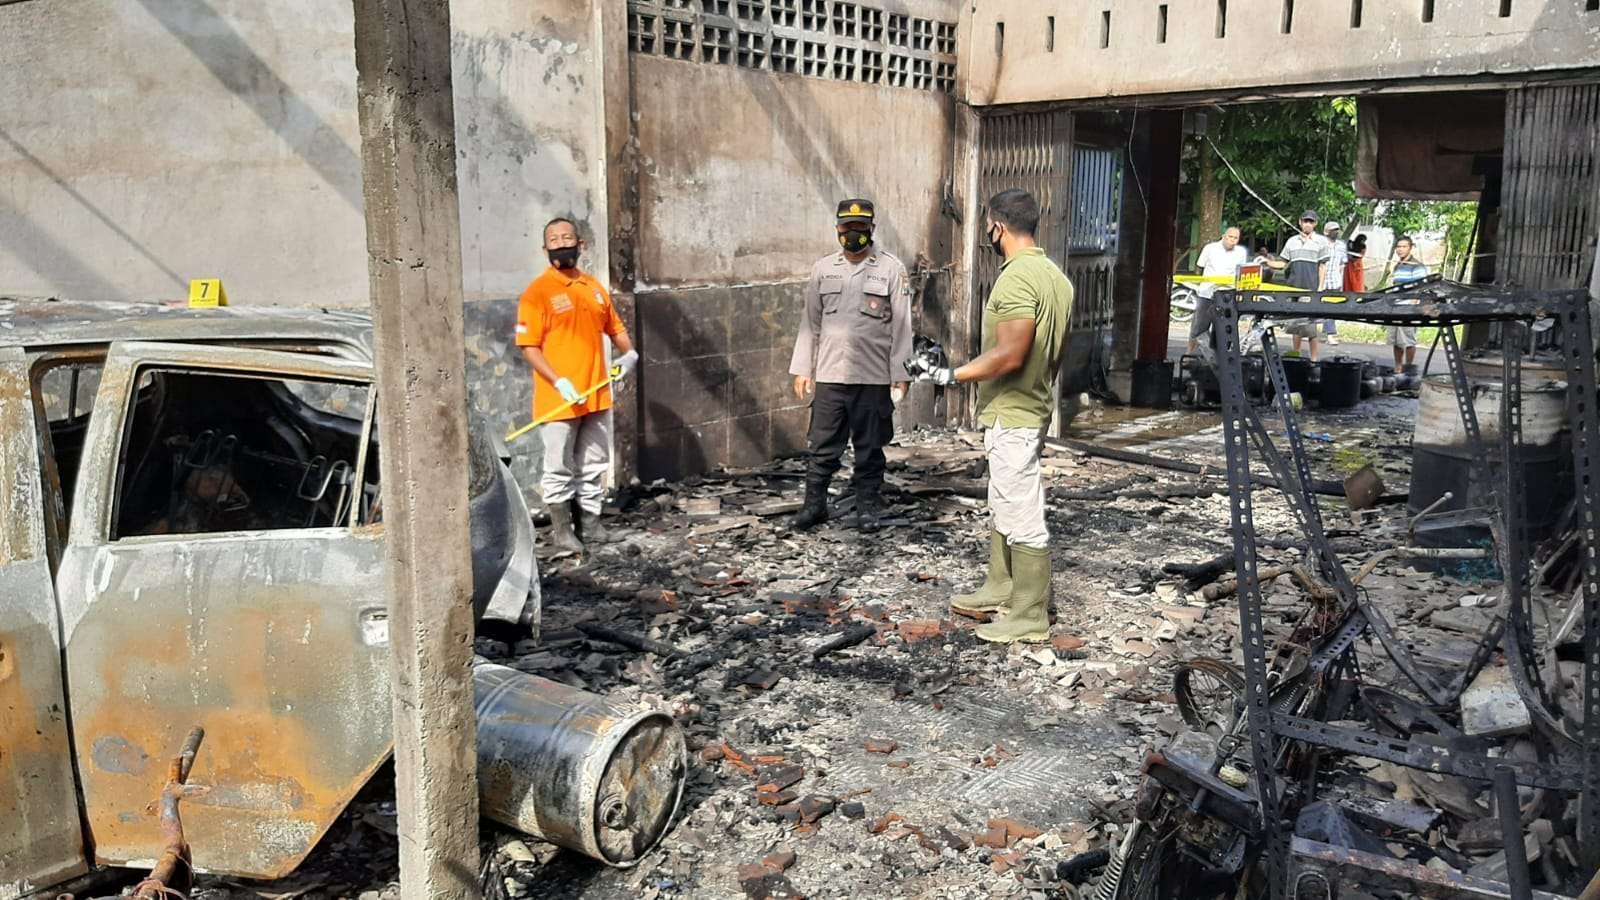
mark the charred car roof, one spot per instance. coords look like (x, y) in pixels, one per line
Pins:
(47, 323)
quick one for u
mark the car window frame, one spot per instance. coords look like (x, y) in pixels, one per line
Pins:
(97, 494)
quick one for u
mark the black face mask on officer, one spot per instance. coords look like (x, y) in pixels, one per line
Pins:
(563, 257)
(855, 241)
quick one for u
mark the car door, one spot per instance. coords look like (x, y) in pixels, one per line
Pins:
(41, 835)
(230, 603)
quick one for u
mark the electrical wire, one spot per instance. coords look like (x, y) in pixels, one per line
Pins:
(1133, 164)
(1248, 189)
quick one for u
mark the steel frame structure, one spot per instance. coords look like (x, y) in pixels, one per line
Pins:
(1575, 766)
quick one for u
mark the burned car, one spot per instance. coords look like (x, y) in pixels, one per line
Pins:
(193, 536)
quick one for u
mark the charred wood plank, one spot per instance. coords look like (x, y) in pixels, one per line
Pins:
(630, 640)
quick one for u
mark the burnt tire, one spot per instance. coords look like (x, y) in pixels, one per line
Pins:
(1209, 694)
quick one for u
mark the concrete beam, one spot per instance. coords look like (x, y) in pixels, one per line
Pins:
(414, 265)
(1121, 49)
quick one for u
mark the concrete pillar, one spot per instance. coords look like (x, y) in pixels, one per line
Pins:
(965, 327)
(1166, 154)
(414, 265)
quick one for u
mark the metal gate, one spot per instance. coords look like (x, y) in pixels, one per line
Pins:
(1550, 187)
(1032, 151)
(1096, 223)
(1078, 188)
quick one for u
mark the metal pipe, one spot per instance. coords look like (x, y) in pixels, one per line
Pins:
(1509, 809)
(173, 874)
(1444, 498)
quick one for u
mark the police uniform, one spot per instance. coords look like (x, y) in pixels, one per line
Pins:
(854, 336)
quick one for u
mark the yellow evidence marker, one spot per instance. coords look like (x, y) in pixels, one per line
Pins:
(207, 293)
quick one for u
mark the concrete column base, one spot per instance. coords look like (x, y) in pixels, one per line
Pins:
(1120, 382)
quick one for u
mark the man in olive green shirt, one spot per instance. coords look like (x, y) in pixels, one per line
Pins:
(1024, 333)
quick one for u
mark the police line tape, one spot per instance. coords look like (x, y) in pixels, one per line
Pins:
(1264, 287)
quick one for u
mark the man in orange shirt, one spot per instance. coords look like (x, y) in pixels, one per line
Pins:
(563, 319)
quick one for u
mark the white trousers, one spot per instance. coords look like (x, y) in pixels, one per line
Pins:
(1016, 488)
(577, 456)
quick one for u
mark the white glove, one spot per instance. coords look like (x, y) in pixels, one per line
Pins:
(567, 391)
(624, 364)
(919, 370)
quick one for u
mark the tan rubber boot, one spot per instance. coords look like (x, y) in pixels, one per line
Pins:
(1028, 616)
(995, 594)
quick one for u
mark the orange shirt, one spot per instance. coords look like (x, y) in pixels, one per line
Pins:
(565, 317)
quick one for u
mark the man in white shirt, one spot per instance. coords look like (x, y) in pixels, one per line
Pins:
(1222, 257)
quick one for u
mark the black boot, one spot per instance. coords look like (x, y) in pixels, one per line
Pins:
(815, 512)
(869, 510)
(562, 538)
(591, 531)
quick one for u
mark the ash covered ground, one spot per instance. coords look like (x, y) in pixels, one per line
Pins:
(920, 762)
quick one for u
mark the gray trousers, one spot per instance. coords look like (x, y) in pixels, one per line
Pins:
(577, 456)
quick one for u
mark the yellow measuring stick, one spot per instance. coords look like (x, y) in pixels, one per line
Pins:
(616, 372)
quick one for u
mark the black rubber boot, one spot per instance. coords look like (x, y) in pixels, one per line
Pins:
(869, 511)
(562, 537)
(591, 531)
(815, 512)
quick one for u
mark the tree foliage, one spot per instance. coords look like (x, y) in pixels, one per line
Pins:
(1301, 155)
(1296, 155)
(1454, 219)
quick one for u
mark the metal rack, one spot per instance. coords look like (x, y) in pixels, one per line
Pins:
(1573, 763)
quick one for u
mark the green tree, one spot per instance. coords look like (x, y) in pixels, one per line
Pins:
(1297, 155)
(1300, 155)
(1455, 219)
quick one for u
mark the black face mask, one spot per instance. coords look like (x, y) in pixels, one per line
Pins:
(994, 242)
(855, 241)
(564, 257)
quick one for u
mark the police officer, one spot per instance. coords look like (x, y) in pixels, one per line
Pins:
(853, 338)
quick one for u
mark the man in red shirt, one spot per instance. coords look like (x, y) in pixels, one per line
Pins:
(563, 319)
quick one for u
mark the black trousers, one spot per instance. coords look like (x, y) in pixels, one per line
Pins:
(863, 415)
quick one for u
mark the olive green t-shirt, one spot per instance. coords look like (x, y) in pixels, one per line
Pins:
(1030, 286)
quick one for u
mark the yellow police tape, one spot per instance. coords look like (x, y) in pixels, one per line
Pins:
(1227, 281)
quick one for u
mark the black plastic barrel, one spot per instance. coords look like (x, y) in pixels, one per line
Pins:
(1257, 386)
(1297, 369)
(1152, 384)
(1341, 383)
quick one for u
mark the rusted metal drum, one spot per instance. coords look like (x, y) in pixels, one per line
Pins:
(1442, 461)
(574, 768)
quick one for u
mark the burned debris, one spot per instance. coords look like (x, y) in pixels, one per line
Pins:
(1309, 770)
(833, 709)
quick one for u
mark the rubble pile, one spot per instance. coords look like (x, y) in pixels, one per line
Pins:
(849, 735)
